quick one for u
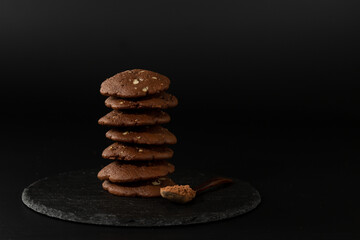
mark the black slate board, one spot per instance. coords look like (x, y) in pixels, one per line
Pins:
(79, 197)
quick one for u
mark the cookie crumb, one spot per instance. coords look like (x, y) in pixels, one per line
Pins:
(145, 89)
(156, 183)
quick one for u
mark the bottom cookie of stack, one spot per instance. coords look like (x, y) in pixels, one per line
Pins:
(149, 188)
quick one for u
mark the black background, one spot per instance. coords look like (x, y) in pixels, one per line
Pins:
(268, 91)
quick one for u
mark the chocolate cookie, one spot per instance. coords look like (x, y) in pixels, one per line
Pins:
(138, 189)
(154, 135)
(124, 172)
(127, 152)
(130, 118)
(134, 83)
(162, 100)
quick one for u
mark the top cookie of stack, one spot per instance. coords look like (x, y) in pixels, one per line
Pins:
(134, 83)
(137, 97)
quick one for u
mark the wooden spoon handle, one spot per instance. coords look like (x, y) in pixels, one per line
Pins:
(212, 183)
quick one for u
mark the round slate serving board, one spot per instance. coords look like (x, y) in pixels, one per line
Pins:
(79, 197)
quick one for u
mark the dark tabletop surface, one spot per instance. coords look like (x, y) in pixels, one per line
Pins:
(268, 93)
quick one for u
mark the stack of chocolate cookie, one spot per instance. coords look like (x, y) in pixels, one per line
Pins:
(140, 151)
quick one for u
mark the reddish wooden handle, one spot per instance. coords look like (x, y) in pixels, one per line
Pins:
(212, 183)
